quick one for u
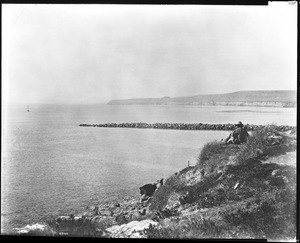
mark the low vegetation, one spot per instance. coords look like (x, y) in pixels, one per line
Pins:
(257, 218)
(259, 144)
(215, 155)
(263, 142)
(238, 196)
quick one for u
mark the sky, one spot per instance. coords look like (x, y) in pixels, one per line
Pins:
(86, 54)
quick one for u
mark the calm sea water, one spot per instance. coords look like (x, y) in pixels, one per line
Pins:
(51, 166)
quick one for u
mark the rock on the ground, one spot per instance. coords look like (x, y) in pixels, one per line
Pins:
(103, 222)
(134, 229)
(174, 200)
(192, 176)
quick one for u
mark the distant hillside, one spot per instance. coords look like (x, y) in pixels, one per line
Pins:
(278, 98)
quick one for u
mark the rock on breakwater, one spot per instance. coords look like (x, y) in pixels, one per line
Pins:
(134, 229)
(185, 126)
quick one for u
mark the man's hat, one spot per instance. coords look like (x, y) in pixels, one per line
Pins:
(240, 124)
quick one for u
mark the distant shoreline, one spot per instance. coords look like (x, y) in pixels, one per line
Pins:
(217, 104)
(262, 98)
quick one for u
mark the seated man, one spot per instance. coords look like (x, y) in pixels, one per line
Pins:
(239, 135)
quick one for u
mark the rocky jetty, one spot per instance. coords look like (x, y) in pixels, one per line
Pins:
(186, 126)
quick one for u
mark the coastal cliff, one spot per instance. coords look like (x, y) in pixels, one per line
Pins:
(234, 191)
(279, 98)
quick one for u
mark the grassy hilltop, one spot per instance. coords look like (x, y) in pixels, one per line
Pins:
(278, 98)
(234, 191)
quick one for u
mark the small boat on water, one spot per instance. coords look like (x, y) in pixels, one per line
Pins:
(27, 108)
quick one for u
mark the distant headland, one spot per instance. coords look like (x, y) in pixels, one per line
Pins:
(265, 98)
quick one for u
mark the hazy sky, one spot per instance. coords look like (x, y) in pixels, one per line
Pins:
(95, 53)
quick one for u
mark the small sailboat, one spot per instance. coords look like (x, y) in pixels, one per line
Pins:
(27, 108)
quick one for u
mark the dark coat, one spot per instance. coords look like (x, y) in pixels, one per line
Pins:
(239, 135)
(148, 189)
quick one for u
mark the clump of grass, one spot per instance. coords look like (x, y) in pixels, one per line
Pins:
(188, 228)
(215, 154)
(257, 144)
(199, 190)
(258, 219)
(264, 218)
(165, 213)
(208, 150)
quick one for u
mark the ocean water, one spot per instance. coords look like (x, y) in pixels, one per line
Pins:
(51, 166)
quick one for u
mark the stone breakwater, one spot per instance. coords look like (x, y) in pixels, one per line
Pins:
(186, 126)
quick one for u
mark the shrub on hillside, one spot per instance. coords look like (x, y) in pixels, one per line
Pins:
(208, 150)
(264, 219)
(211, 155)
(203, 191)
(215, 155)
(190, 228)
(257, 144)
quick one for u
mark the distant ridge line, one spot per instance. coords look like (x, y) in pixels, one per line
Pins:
(268, 98)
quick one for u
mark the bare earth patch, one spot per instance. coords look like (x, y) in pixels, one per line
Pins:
(286, 159)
